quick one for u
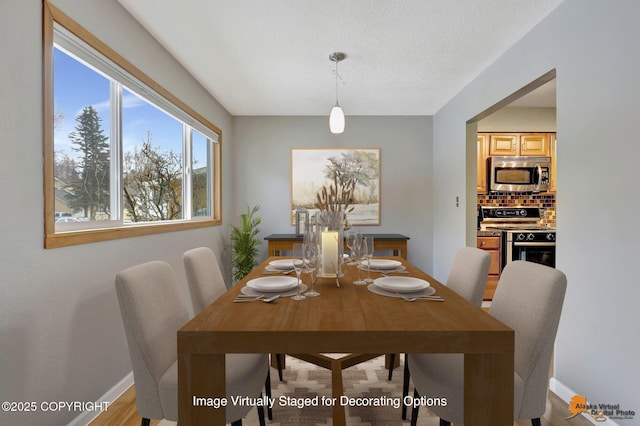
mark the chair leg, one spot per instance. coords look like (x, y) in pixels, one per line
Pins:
(267, 388)
(260, 409)
(279, 364)
(414, 410)
(445, 422)
(392, 361)
(146, 422)
(535, 422)
(405, 386)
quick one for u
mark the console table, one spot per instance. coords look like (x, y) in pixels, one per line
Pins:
(394, 242)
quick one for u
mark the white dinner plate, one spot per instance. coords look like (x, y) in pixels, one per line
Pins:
(270, 268)
(253, 292)
(282, 264)
(364, 267)
(401, 284)
(429, 291)
(383, 264)
(273, 284)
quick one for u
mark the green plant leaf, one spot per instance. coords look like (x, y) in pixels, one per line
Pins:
(244, 244)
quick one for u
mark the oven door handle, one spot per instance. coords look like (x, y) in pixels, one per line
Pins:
(533, 244)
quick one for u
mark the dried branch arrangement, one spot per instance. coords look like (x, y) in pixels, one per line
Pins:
(338, 196)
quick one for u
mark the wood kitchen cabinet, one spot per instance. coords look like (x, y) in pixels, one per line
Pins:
(492, 245)
(503, 144)
(525, 144)
(483, 153)
(535, 144)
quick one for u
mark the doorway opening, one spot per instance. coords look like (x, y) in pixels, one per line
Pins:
(521, 125)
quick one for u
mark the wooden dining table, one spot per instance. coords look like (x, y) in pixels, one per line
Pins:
(347, 319)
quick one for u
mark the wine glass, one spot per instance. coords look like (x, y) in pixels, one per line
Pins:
(352, 239)
(298, 265)
(359, 252)
(310, 255)
(368, 255)
(309, 237)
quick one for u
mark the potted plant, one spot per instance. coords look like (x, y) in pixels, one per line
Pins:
(244, 244)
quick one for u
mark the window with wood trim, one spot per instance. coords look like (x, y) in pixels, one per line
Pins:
(123, 157)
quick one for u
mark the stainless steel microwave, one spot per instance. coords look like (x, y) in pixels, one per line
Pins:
(519, 174)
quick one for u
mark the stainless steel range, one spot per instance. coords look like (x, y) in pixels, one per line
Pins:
(522, 236)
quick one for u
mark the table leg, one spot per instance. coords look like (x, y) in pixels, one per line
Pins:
(194, 381)
(339, 415)
(488, 389)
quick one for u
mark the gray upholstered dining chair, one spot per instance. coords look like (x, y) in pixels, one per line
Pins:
(529, 300)
(206, 284)
(152, 312)
(204, 277)
(468, 278)
(468, 274)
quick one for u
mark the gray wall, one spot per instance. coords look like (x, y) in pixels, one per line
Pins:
(262, 170)
(592, 46)
(519, 119)
(61, 336)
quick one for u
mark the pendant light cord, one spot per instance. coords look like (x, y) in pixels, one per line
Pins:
(337, 76)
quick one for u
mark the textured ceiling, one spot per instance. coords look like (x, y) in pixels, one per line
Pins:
(271, 57)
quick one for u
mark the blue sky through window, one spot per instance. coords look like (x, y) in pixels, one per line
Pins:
(77, 86)
(140, 118)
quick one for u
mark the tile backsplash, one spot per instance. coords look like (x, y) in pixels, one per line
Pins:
(546, 203)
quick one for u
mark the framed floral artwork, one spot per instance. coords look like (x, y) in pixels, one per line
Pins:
(315, 169)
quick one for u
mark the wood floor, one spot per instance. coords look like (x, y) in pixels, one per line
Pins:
(123, 413)
(555, 415)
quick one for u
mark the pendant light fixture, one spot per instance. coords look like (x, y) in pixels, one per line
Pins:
(336, 118)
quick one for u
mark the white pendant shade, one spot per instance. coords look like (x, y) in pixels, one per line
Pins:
(336, 120)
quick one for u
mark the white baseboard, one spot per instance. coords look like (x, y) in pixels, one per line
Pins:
(112, 394)
(565, 393)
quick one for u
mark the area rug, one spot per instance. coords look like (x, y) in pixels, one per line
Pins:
(365, 383)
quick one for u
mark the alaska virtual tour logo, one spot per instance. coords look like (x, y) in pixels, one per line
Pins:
(599, 412)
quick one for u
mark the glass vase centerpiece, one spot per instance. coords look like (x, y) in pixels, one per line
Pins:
(333, 205)
(329, 235)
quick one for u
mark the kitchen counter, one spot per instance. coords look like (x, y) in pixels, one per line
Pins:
(489, 232)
